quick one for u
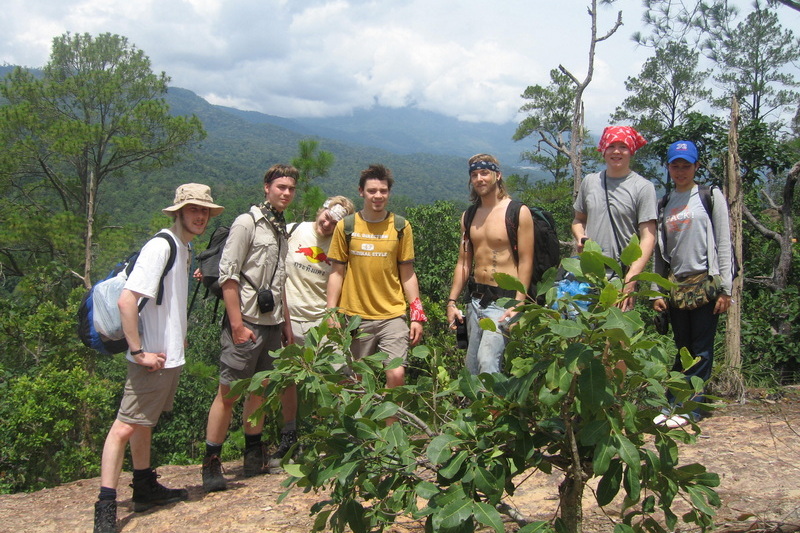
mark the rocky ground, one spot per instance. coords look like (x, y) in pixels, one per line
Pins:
(754, 447)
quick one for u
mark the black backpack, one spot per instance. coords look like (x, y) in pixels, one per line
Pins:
(104, 331)
(546, 251)
(707, 199)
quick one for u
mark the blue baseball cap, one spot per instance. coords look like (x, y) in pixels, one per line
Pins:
(682, 150)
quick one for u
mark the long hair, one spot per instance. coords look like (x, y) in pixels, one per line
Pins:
(501, 185)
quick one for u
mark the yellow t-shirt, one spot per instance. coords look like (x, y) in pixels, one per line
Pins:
(372, 287)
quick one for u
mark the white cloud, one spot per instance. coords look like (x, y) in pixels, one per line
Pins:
(471, 59)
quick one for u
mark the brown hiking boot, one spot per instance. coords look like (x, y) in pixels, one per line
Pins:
(148, 492)
(213, 480)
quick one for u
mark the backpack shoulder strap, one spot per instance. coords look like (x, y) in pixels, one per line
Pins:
(512, 225)
(173, 252)
(469, 215)
(294, 226)
(707, 199)
(399, 225)
(349, 226)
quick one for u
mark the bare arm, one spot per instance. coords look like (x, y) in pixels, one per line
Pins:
(408, 278)
(335, 282)
(579, 229)
(460, 277)
(128, 304)
(647, 242)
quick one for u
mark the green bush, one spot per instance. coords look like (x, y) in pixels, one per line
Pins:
(564, 404)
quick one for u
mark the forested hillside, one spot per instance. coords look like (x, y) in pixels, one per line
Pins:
(237, 151)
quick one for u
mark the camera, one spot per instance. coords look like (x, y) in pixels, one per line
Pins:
(462, 340)
(266, 302)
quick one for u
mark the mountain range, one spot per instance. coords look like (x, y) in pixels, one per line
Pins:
(426, 151)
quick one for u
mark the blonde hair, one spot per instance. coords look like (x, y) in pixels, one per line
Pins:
(501, 185)
(337, 200)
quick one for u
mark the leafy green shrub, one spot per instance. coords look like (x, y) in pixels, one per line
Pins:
(52, 425)
(580, 396)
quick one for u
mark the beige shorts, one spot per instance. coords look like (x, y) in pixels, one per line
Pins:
(147, 394)
(389, 336)
(301, 329)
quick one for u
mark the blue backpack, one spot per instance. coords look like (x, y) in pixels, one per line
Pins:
(99, 323)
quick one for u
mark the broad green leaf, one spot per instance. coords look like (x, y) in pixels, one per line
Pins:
(486, 481)
(629, 453)
(294, 470)
(396, 437)
(488, 516)
(487, 324)
(623, 528)
(603, 453)
(593, 432)
(698, 498)
(426, 490)
(632, 252)
(566, 328)
(592, 264)
(609, 484)
(505, 281)
(633, 484)
(454, 514)
(454, 465)
(536, 527)
(592, 384)
(384, 410)
(439, 449)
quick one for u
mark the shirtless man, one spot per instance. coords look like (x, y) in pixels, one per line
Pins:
(484, 251)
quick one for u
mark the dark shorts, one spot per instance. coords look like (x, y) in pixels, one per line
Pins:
(242, 361)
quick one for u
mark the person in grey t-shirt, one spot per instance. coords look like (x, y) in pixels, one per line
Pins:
(617, 203)
(690, 243)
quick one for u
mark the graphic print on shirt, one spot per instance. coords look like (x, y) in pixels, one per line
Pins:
(314, 254)
(679, 219)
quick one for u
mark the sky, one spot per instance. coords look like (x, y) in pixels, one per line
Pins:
(468, 59)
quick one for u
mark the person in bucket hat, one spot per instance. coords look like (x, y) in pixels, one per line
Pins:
(156, 336)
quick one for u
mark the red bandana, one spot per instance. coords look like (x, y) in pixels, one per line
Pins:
(632, 139)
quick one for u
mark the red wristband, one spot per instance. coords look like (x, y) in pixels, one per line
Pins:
(417, 313)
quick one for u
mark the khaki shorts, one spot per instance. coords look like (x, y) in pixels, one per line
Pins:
(147, 394)
(389, 336)
(301, 329)
(243, 361)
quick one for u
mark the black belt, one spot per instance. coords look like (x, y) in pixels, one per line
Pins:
(489, 293)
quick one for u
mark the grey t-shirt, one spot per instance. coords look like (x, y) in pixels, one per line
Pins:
(693, 243)
(632, 200)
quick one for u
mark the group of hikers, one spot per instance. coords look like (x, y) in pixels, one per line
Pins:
(278, 281)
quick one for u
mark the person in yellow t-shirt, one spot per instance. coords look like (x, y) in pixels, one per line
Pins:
(373, 276)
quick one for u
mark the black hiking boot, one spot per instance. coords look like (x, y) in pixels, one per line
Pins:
(148, 492)
(288, 439)
(254, 460)
(213, 480)
(105, 516)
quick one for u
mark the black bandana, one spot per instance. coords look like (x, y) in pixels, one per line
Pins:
(483, 164)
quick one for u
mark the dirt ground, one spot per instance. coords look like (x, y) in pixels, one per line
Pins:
(754, 447)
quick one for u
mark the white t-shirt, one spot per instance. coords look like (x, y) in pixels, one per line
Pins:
(163, 326)
(307, 271)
